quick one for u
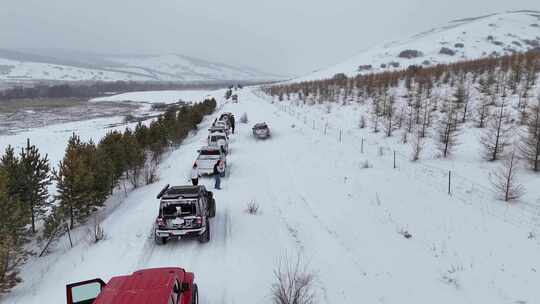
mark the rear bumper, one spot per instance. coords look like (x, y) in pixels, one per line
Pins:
(206, 171)
(262, 135)
(177, 233)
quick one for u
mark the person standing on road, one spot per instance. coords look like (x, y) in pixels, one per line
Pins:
(231, 119)
(195, 175)
(217, 175)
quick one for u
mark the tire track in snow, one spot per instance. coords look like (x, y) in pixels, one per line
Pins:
(334, 235)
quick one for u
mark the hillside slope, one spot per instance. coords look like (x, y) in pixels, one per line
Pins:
(471, 38)
(58, 65)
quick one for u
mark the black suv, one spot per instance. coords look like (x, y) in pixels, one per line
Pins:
(184, 211)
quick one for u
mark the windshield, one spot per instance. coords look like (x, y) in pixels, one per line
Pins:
(216, 138)
(210, 152)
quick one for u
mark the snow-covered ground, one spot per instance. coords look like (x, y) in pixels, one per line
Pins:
(472, 38)
(315, 198)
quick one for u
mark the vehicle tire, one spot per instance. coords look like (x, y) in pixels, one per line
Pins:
(205, 238)
(212, 208)
(195, 294)
(160, 240)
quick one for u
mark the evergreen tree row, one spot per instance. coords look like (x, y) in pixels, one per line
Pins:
(86, 176)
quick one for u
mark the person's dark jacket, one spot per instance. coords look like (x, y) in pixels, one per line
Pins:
(216, 170)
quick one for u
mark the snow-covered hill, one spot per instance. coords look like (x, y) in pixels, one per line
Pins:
(471, 38)
(33, 65)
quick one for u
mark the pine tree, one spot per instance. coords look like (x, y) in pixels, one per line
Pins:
(12, 236)
(73, 179)
(10, 163)
(530, 143)
(35, 179)
(135, 157)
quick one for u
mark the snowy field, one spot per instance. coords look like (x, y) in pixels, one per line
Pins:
(317, 199)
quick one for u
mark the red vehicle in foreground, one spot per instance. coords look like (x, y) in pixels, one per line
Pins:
(147, 286)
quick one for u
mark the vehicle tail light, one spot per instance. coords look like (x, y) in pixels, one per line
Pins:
(198, 221)
(160, 222)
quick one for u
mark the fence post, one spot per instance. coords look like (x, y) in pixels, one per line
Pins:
(449, 182)
(325, 126)
(314, 124)
(340, 135)
(394, 159)
(362, 146)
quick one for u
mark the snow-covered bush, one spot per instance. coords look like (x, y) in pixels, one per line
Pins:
(252, 208)
(366, 164)
(97, 232)
(244, 118)
(405, 233)
(362, 122)
(294, 283)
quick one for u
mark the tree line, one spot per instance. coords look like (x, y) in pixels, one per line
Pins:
(88, 90)
(495, 94)
(85, 178)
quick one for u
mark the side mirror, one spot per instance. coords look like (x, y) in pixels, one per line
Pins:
(84, 292)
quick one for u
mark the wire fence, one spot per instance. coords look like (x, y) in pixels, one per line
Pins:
(521, 214)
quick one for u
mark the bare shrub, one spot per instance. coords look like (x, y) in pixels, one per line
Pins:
(252, 208)
(96, 232)
(244, 118)
(417, 146)
(366, 164)
(505, 180)
(294, 283)
(405, 136)
(150, 173)
(362, 122)
(405, 233)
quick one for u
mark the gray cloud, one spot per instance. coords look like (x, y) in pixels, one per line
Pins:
(283, 36)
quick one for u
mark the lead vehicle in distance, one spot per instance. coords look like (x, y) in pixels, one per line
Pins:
(261, 130)
(184, 212)
(155, 285)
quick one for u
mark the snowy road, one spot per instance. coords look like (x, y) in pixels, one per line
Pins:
(315, 199)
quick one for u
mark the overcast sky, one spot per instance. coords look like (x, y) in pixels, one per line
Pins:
(280, 36)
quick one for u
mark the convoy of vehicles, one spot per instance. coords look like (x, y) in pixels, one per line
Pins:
(184, 212)
(154, 285)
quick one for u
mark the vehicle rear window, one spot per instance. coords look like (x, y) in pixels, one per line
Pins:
(216, 138)
(210, 152)
(182, 209)
(260, 127)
